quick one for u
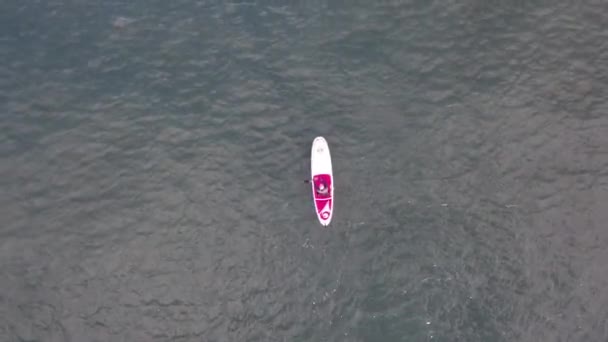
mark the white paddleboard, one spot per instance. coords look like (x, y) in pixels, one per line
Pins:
(322, 177)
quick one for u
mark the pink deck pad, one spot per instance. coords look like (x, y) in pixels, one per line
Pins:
(322, 200)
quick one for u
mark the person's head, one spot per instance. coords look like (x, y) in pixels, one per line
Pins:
(321, 186)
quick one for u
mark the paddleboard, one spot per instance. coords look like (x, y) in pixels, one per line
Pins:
(321, 173)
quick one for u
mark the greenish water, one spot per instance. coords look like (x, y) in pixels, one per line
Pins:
(153, 154)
